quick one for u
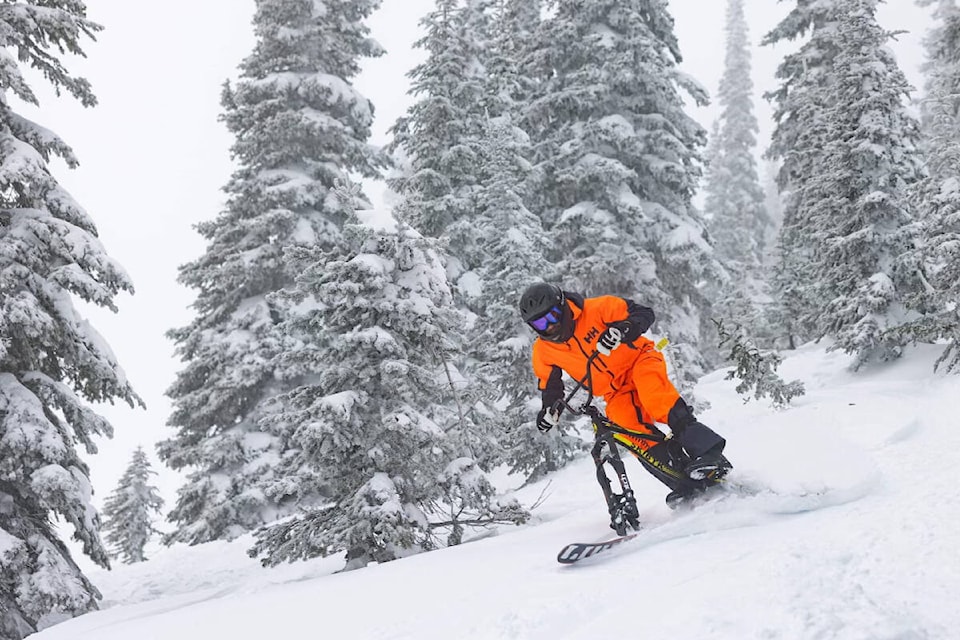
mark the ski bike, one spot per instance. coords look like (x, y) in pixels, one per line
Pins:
(667, 464)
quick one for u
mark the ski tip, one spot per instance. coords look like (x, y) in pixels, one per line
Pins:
(578, 551)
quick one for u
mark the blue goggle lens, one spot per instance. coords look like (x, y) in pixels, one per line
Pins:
(547, 319)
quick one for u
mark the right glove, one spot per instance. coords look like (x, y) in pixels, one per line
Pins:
(609, 340)
(547, 419)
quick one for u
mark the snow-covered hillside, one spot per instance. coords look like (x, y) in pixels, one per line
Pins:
(855, 536)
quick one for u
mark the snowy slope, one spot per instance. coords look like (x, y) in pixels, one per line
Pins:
(855, 537)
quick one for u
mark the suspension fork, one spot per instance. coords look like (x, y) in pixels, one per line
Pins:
(605, 452)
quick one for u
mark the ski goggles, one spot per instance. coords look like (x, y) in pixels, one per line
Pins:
(549, 318)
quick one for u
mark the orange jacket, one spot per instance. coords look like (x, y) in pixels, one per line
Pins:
(591, 317)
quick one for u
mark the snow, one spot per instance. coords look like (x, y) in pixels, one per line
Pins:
(341, 403)
(471, 285)
(588, 211)
(381, 219)
(372, 264)
(852, 536)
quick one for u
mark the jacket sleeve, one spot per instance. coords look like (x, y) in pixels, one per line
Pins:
(640, 318)
(631, 318)
(550, 380)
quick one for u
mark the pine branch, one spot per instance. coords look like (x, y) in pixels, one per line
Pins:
(756, 370)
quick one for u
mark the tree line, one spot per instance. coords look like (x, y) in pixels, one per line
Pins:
(350, 379)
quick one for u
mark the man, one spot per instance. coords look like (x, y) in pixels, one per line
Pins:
(630, 374)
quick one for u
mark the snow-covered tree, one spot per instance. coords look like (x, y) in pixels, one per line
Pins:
(734, 206)
(797, 138)
(618, 162)
(849, 150)
(936, 198)
(301, 130)
(128, 512)
(378, 431)
(500, 244)
(938, 107)
(51, 360)
(439, 135)
(510, 81)
(467, 180)
(511, 244)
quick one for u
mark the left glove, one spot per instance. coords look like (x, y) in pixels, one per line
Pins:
(609, 340)
(547, 419)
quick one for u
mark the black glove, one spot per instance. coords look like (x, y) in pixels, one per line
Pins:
(609, 340)
(547, 418)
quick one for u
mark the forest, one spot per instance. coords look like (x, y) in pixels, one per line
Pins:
(349, 381)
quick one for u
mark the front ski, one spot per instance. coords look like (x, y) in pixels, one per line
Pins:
(579, 550)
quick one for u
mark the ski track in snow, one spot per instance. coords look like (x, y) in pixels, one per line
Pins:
(852, 535)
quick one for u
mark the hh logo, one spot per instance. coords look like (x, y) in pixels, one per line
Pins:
(593, 333)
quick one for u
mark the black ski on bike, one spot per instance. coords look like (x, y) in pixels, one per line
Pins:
(580, 550)
(576, 551)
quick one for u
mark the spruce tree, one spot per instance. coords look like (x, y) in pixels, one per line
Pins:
(466, 182)
(734, 200)
(52, 362)
(734, 205)
(796, 140)
(377, 432)
(512, 243)
(618, 160)
(301, 129)
(128, 511)
(849, 223)
(509, 244)
(510, 79)
(936, 198)
(440, 133)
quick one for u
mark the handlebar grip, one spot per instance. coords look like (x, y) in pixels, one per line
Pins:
(558, 406)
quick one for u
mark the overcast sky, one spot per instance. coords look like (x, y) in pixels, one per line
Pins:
(154, 155)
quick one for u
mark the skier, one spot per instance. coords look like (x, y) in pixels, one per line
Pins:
(631, 375)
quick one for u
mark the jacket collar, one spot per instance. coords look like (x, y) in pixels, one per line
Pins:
(576, 300)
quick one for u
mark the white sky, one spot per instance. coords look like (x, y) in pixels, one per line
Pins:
(154, 156)
(856, 539)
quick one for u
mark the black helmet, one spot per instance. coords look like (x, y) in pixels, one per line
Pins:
(538, 301)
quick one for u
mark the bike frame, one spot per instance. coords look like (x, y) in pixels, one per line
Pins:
(605, 450)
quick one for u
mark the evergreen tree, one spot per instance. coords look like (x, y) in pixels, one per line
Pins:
(511, 81)
(511, 241)
(127, 511)
(470, 76)
(376, 431)
(848, 223)
(51, 360)
(440, 133)
(618, 162)
(300, 129)
(505, 246)
(797, 139)
(734, 207)
(940, 73)
(936, 198)
(467, 181)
